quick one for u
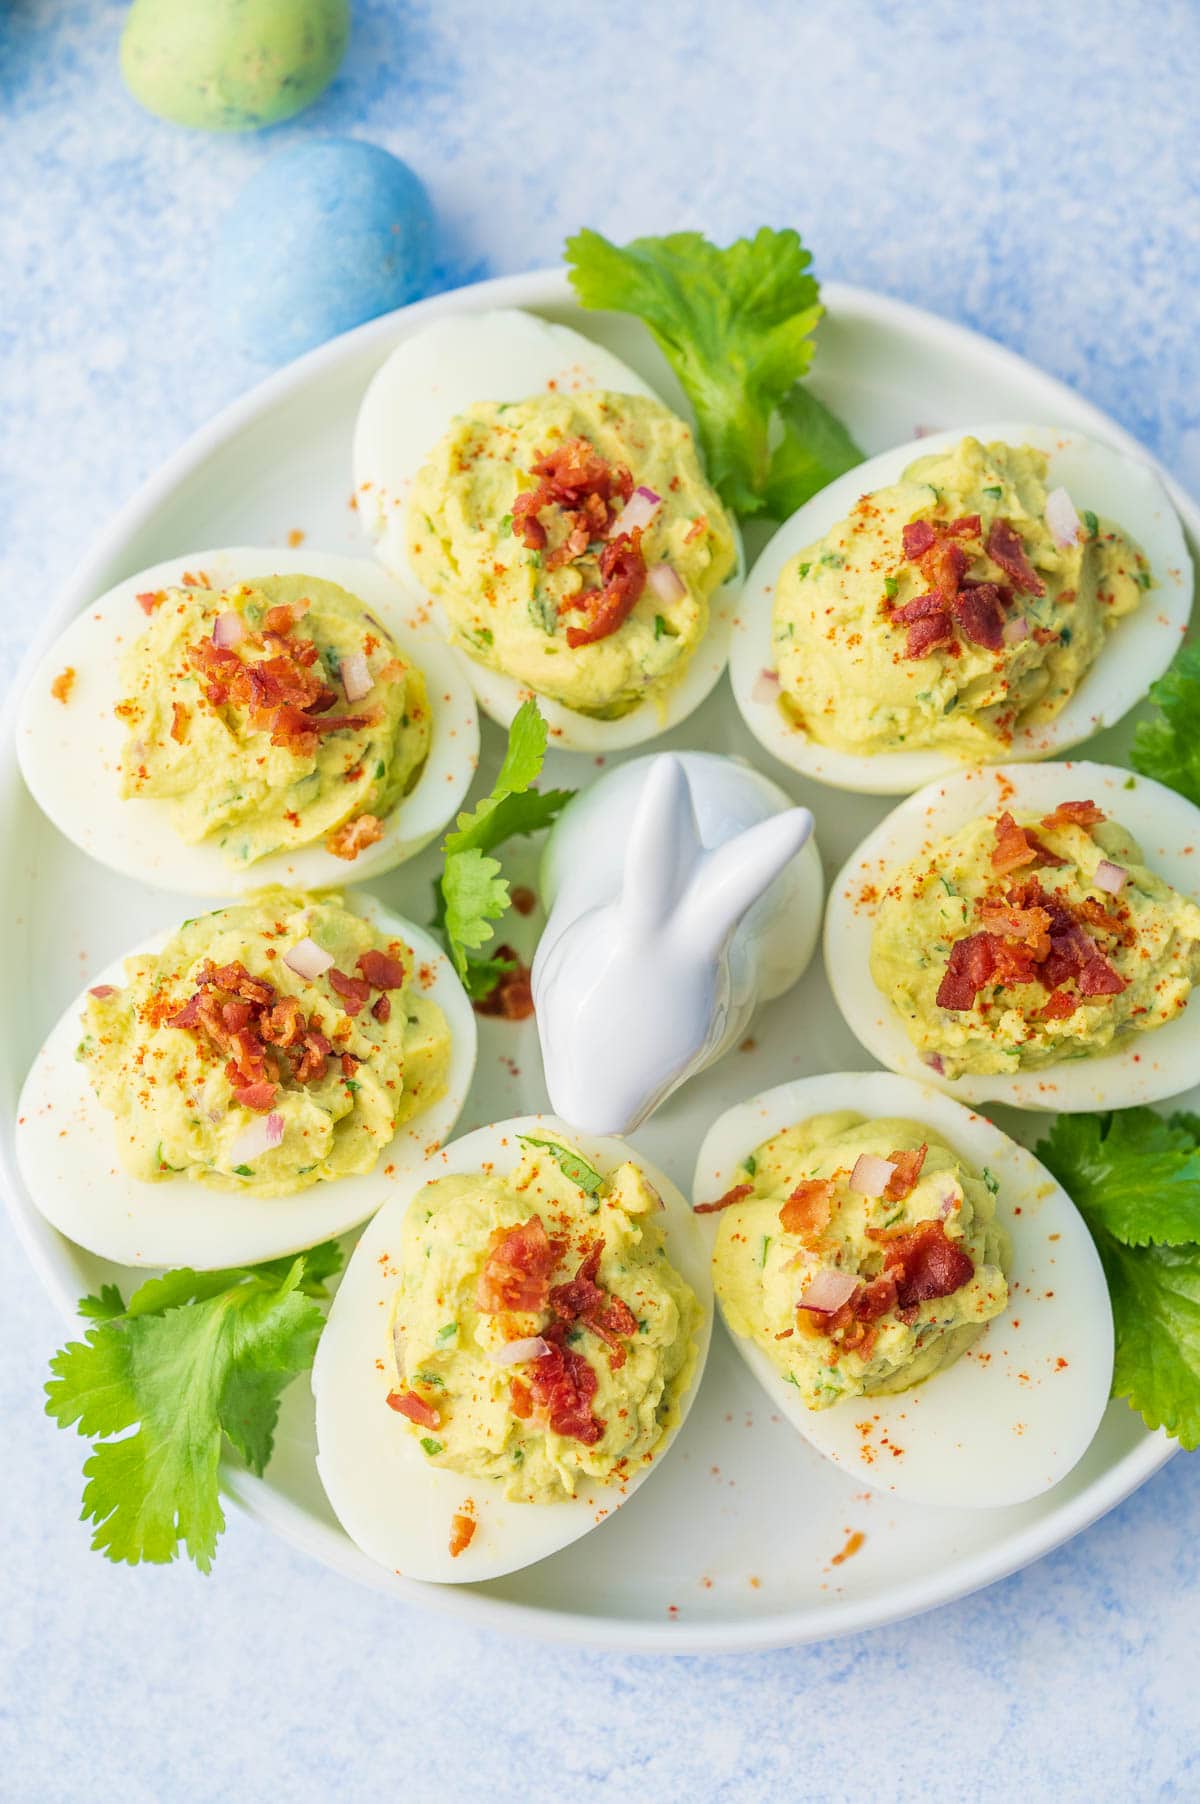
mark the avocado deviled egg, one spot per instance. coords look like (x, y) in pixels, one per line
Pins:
(981, 597)
(556, 512)
(246, 717)
(912, 1288)
(1004, 935)
(247, 1085)
(516, 1341)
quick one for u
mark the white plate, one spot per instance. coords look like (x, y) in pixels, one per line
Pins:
(733, 1546)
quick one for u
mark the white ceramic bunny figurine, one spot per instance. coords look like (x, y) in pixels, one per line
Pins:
(682, 889)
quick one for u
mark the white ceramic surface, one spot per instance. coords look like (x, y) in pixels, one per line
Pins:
(733, 1547)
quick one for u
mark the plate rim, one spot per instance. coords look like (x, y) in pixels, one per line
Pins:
(549, 287)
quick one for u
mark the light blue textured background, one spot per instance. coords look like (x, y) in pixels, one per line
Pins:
(1027, 168)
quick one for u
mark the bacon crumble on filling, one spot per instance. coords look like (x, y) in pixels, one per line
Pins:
(919, 1264)
(561, 1384)
(243, 1018)
(978, 609)
(589, 492)
(1030, 935)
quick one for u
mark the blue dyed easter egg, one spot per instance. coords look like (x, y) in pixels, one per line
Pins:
(326, 235)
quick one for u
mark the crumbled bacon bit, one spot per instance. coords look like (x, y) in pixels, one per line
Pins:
(241, 1018)
(1016, 846)
(355, 992)
(562, 1384)
(979, 610)
(380, 970)
(582, 1299)
(1075, 814)
(381, 1008)
(512, 997)
(925, 1263)
(149, 599)
(63, 684)
(903, 1179)
(809, 1209)
(520, 1402)
(727, 1201)
(353, 837)
(180, 717)
(577, 479)
(410, 1404)
(1060, 1006)
(971, 964)
(623, 578)
(1006, 548)
(517, 1268)
(462, 1532)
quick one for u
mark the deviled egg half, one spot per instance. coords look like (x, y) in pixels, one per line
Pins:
(516, 1341)
(999, 594)
(556, 512)
(1027, 934)
(915, 1292)
(238, 718)
(253, 1082)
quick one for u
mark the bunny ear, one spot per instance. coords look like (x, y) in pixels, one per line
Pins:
(663, 849)
(732, 878)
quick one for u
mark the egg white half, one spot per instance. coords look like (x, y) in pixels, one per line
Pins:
(70, 752)
(1134, 654)
(387, 1496)
(1007, 1420)
(66, 1152)
(1164, 1061)
(506, 355)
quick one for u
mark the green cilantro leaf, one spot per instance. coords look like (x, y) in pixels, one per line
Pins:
(736, 326)
(192, 1358)
(1135, 1179)
(1131, 1173)
(1155, 1295)
(575, 1169)
(471, 893)
(1167, 747)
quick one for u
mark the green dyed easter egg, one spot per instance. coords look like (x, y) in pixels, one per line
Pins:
(232, 65)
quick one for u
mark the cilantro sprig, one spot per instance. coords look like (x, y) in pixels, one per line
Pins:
(471, 893)
(736, 326)
(1135, 1178)
(1167, 747)
(574, 1168)
(193, 1358)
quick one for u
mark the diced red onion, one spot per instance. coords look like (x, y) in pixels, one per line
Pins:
(667, 583)
(639, 510)
(356, 676)
(871, 1175)
(1015, 630)
(307, 959)
(1061, 517)
(516, 1352)
(1110, 877)
(102, 990)
(936, 1062)
(228, 630)
(264, 1132)
(765, 687)
(828, 1291)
